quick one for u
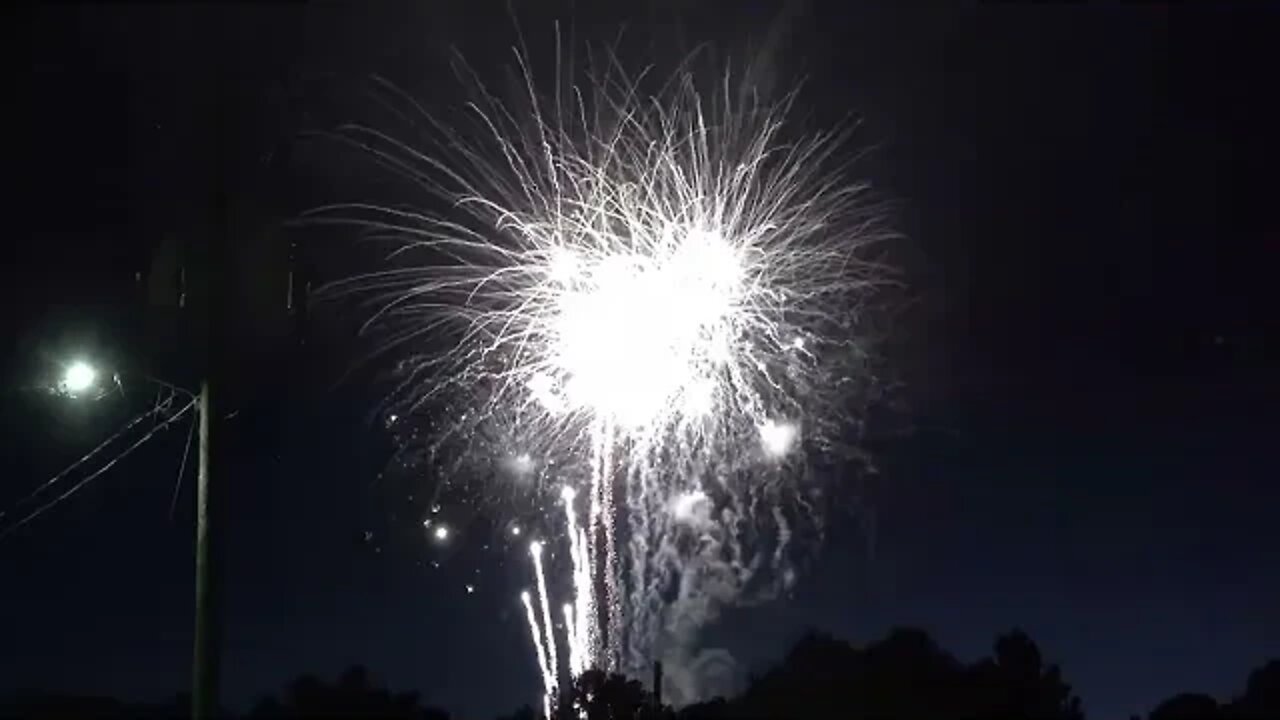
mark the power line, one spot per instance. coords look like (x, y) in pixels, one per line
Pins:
(94, 475)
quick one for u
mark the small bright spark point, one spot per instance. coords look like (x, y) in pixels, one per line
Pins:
(535, 548)
(685, 505)
(471, 589)
(567, 493)
(515, 530)
(777, 438)
(520, 465)
(79, 377)
(441, 533)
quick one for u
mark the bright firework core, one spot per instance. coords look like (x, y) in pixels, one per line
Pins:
(637, 334)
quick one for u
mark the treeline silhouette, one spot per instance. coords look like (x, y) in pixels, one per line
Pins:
(906, 675)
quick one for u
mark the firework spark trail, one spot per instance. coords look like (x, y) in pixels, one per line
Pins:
(639, 523)
(611, 565)
(553, 661)
(660, 286)
(548, 677)
(578, 612)
(576, 665)
(654, 527)
(600, 559)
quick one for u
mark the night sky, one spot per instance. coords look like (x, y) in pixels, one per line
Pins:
(1082, 444)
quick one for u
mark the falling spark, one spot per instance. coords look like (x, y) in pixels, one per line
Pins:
(579, 640)
(535, 549)
(777, 438)
(548, 678)
(685, 505)
(571, 629)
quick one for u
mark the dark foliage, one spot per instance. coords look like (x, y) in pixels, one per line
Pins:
(906, 675)
(1260, 701)
(608, 697)
(39, 705)
(353, 695)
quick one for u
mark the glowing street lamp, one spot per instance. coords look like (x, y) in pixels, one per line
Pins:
(79, 377)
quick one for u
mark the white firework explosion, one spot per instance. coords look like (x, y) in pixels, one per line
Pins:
(660, 290)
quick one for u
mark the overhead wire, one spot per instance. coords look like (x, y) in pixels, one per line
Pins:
(160, 407)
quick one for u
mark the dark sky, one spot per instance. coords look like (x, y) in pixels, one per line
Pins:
(1088, 369)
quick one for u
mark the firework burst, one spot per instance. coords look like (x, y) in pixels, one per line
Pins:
(659, 293)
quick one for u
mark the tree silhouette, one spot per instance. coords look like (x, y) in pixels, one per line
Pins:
(905, 676)
(1261, 699)
(1016, 684)
(524, 712)
(715, 709)
(353, 695)
(1187, 706)
(605, 696)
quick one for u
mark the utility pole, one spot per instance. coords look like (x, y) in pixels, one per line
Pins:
(210, 267)
(657, 685)
(205, 675)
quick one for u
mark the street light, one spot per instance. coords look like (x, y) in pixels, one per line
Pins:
(79, 377)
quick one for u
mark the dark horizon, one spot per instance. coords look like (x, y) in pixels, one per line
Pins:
(1086, 364)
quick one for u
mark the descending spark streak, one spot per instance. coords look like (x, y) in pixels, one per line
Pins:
(584, 601)
(641, 560)
(579, 643)
(609, 564)
(576, 665)
(612, 568)
(596, 560)
(548, 680)
(553, 662)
